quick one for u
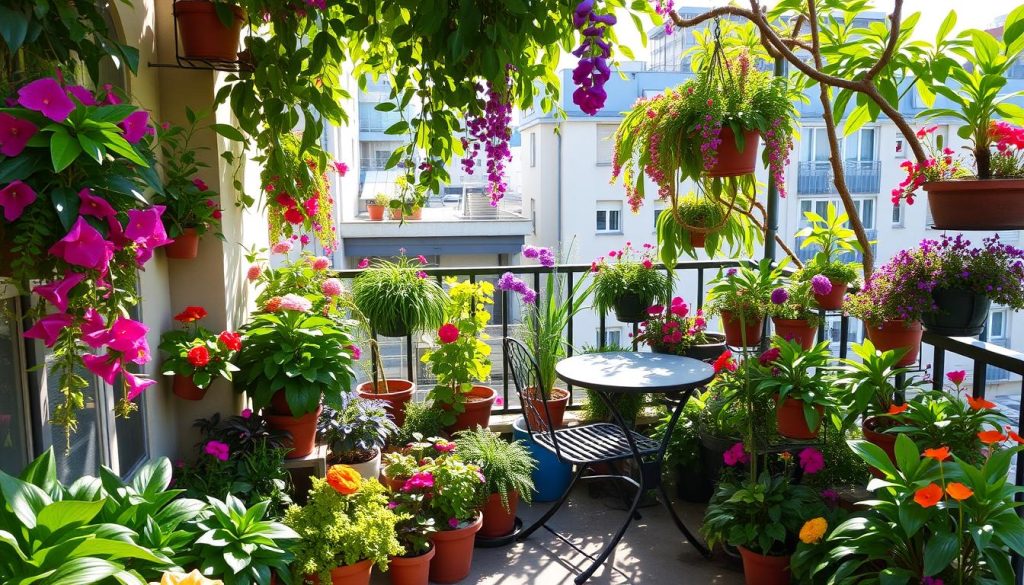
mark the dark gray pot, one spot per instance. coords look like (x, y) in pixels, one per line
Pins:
(960, 313)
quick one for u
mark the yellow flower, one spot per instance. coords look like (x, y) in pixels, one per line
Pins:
(193, 578)
(813, 530)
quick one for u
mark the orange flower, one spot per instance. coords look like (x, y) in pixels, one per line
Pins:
(989, 437)
(1013, 435)
(928, 496)
(979, 403)
(940, 454)
(958, 491)
(898, 409)
(344, 479)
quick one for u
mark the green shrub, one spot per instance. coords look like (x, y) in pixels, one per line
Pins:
(506, 465)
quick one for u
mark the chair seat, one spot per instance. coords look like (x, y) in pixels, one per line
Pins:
(595, 443)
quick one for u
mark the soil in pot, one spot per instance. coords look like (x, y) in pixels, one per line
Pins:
(535, 413)
(971, 204)
(631, 308)
(368, 467)
(477, 410)
(454, 553)
(731, 161)
(734, 330)
(834, 299)
(185, 246)
(376, 212)
(357, 574)
(411, 570)
(186, 389)
(897, 334)
(791, 421)
(396, 393)
(874, 432)
(798, 330)
(203, 35)
(764, 570)
(497, 521)
(960, 313)
(693, 484)
(302, 430)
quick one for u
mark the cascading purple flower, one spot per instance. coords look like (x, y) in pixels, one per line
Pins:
(492, 131)
(510, 282)
(592, 70)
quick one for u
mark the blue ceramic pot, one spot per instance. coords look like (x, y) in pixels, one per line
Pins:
(551, 478)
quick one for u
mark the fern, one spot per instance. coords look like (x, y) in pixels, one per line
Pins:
(506, 465)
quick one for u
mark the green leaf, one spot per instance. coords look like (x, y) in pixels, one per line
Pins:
(83, 571)
(986, 48)
(23, 499)
(858, 117)
(874, 456)
(65, 513)
(399, 127)
(65, 202)
(153, 477)
(19, 168)
(229, 132)
(13, 28)
(940, 551)
(1013, 27)
(64, 149)
(944, 29)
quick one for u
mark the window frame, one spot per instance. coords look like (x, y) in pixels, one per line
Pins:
(604, 149)
(608, 207)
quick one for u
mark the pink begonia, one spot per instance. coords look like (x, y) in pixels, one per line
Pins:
(14, 198)
(106, 366)
(14, 134)
(46, 96)
(331, 287)
(57, 291)
(321, 263)
(294, 302)
(48, 328)
(135, 384)
(94, 206)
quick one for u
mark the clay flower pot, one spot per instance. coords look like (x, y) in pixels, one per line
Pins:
(376, 212)
(396, 213)
(478, 410)
(357, 574)
(185, 246)
(535, 413)
(411, 570)
(798, 330)
(497, 521)
(731, 161)
(454, 556)
(872, 428)
(764, 570)
(301, 428)
(971, 204)
(897, 334)
(184, 388)
(416, 215)
(734, 330)
(697, 239)
(791, 422)
(396, 394)
(203, 35)
(834, 299)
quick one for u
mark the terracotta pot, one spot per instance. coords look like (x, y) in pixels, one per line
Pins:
(454, 555)
(798, 330)
(357, 574)
(536, 415)
(872, 428)
(897, 334)
(416, 215)
(732, 162)
(478, 410)
(697, 239)
(396, 214)
(184, 388)
(203, 35)
(411, 570)
(302, 429)
(393, 483)
(791, 422)
(376, 212)
(834, 299)
(397, 393)
(972, 204)
(631, 308)
(185, 246)
(764, 570)
(497, 520)
(960, 313)
(734, 330)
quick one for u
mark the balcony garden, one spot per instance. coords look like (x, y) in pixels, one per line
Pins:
(802, 460)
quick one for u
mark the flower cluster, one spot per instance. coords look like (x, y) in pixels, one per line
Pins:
(940, 165)
(778, 144)
(511, 282)
(197, 353)
(901, 289)
(796, 299)
(543, 255)
(629, 272)
(492, 130)
(592, 71)
(710, 130)
(663, 8)
(1008, 159)
(672, 329)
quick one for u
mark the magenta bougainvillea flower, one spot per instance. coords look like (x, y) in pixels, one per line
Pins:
(83, 95)
(48, 97)
(94, 206)
(14, 134)
(129, 337)
(57, 292)
(49, 328)
(84, 246)
(135, 384)
(136, 125)
(106, 366)
(94, 329)
(14, 198)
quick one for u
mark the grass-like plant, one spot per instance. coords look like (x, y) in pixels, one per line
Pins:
(630, 271)
(397, 297)
(506, 465)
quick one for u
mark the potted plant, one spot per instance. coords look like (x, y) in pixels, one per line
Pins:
(740, 296)
(506, 467)
(702, 215)
(361, 529)
(190, 206)
(710, 221)
(306, 275)
(356, 434)
(672, 331)
(414, 530)
(683, 454)
(397, 297)
(454, 503)
(210, 29)
(421, 420)
(990, 197)
(195, 356)
(794, 310)
(628, 284)
(243, 545)
(460, 357)
(544, 331)
(376, 209)
(291, 361)
(398, 466)
(833, 239)
(891, 304)
(798, 380)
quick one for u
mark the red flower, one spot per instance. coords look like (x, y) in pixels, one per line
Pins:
(231, 340)
(293, 216)
(199, 356)
(898, 409)
(940, 454)
(448, 333)
(1017, 438)
(928, 496)
(956, 377)
(989, 437)
(979, 403)
(190, 314)
(725, 362)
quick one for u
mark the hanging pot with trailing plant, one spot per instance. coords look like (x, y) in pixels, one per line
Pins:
(209, 30)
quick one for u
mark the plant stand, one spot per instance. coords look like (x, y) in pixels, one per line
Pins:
(303, 469)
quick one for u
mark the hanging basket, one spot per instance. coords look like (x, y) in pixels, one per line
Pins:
(733, 162)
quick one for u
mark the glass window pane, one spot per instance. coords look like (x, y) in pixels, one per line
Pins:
(821, 151)
(867, 213)
(807, 145)
(13, 448)
(83, 456)
(613, 221)
(867, 144)
(602, 223)
(131, 436)
(996, 325)
(897, 213)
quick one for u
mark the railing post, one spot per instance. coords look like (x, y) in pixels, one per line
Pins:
(939, 362)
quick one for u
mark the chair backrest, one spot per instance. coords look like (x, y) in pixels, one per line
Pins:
(527, 379)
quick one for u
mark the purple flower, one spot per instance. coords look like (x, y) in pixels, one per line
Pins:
(135, 384)
(14, 198)
(49, 328)
(780, 296)
(530, 296)
(811, 461)
(419, 480)
(94, 206)
(57, 291)
(83, 95)
(453, 522)
(547, 258)
(84, 246)
(14, 134)
(531, 251)
(821, 285)
(106, 366)
(830, 497)
(48, 97)
(931, 581)
(731, 272)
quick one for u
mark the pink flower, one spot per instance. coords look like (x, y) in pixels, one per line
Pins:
(106, 366)
(448, 333)
(200, 184)
(422, 275)
(112, 99)
(94, 206)
(217, 449)
(134, 384)
(83, 95)
(364, 263)
(57, 291)
(647, 263)
(356, 352)
(304, 240)
(14, 134)
(443, 446)
(246, 413)
(419, 480)
(811, 461)
(453, 522)
(331, 287)
(14, 198)
(146, 227)
(736, 455)
(422, 259)
(94, 331)
(321, 263)
(340, 168)
(135, 126)
(499, 401)
(129, 337)
(48, 328)
(254, 272)
(84, 246)
(282, 247)
(769, 356)
(294, 302)
(957, 377)
(46, 96)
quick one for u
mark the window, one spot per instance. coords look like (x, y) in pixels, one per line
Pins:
(860, 146)
(657, 214)
(998, 325)
(605, 143)
(15, 444)
(815, 145)
(897, 214)
(609, 214)
(533, 149)
(612, 336)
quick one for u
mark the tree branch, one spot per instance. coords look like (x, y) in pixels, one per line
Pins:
(894, 35)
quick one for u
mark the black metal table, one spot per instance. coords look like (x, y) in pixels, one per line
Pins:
(639, 373)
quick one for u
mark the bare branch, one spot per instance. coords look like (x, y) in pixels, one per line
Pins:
(894, 34)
